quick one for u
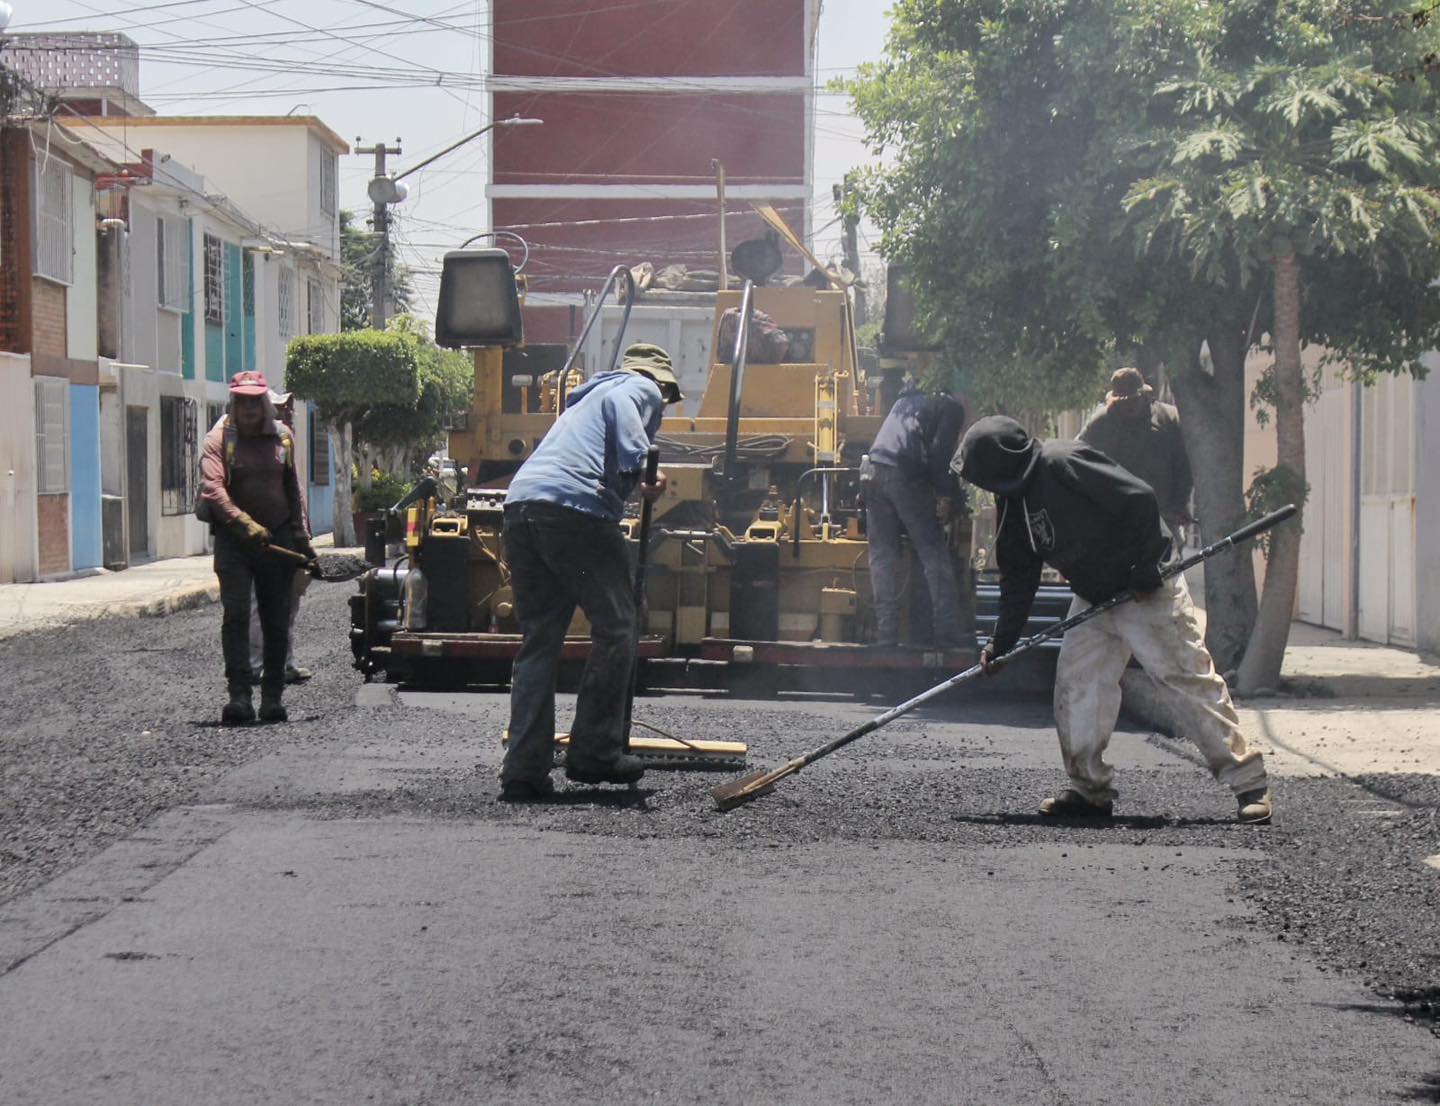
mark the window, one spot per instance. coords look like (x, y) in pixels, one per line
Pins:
(54, 219)
(319, 449)
(52, 434)
(327, 183)
(315, 306)
(172, 263)
(286, 313)
(214, 280)
(179, 457)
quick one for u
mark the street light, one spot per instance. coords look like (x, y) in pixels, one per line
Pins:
(512, 121)
(385, 190)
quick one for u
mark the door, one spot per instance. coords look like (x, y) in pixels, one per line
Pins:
(137, 483)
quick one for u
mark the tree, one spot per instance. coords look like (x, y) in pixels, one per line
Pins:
(357, 269)
(1009, 134)
(1299, 158)
(346, 375)
(409, 432)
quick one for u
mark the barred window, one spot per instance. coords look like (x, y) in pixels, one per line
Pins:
(52, 434)
(319, 449)
(214, 280)
(54, 221)
(315, 304)
(286, 313)
(327, 182)
(179, 454)
(172, 262)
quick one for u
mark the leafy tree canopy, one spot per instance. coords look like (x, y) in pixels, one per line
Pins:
(446, 381)
(347, 373)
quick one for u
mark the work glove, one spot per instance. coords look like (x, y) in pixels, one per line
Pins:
(1145, 579)
(303, 546)
(987, 660)
(250, 532)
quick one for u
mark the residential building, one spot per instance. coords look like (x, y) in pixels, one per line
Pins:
(131, 288)
(637, 101)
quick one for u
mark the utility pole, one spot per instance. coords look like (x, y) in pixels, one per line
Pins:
(720, 194)
(382, 193)
(842, 195)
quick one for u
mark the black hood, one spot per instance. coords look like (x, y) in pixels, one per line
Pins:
(998, 455)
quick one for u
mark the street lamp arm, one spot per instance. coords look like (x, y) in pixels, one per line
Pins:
(513, 121)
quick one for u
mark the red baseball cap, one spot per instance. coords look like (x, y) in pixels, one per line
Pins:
(249, 384)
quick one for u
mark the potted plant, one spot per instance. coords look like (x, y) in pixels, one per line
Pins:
(385, 490)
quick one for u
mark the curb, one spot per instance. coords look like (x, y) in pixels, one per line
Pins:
(198, 596)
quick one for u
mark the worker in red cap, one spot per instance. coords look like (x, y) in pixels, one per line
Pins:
(255, 504)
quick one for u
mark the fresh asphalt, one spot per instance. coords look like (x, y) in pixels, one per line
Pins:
(339, 910)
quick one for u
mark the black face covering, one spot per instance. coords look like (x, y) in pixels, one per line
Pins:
(998, 455)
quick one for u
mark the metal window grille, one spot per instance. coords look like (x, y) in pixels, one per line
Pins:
(214, 412)
(179, 454)
(327, 182)
(315, 306)
(54, 219)
(319, 449)
(52, 435)
(214, 280)
(172, 258)
(285, 287)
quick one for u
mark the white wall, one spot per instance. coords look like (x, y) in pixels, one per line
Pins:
(17, 469)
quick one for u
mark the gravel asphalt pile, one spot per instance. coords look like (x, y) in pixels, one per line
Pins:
(107, 724)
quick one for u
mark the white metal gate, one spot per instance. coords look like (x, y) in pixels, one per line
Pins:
(1387, 512)
(1324, 546)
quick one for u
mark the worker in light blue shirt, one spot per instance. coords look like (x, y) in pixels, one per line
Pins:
(564, 549)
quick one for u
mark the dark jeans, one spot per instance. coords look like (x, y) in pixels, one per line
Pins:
(891, 502)
(244, 570)
(560, 559)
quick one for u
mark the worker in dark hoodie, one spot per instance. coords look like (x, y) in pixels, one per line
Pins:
(1067, 505)
(564, 549)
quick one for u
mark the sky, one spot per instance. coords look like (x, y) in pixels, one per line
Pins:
(264, 57)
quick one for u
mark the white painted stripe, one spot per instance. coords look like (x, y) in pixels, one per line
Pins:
(745, 85)
(644, 191)
(1433, 861)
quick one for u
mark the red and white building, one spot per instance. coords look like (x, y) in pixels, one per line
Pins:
(638, 100)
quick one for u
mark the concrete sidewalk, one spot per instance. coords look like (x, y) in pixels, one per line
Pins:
(141, 591)
(1354, 708)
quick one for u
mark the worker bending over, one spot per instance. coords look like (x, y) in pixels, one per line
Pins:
(909, 483)
(564, 549)
(1067, 505)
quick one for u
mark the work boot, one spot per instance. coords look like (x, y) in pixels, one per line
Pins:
(526, 791)
(1073, 805)
(271, 709)
(1255, 807)
(620, 768)
(239, 710)
(294, 674)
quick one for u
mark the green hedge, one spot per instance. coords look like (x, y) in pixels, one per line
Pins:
(354, 369)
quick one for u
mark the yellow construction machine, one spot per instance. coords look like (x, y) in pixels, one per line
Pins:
(758, 575)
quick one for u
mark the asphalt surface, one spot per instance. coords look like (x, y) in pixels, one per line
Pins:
(339, 910)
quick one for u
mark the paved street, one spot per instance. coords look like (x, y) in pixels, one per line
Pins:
(338, 910)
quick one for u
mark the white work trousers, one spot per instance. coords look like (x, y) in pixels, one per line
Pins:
(1161, 632)
(257, 653)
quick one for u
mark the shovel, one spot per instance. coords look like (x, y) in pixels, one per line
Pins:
(737, 792)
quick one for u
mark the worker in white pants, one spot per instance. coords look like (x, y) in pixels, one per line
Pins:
(1067, 505)
(1161, 632)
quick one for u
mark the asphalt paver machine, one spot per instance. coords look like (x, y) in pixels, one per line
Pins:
(758, 576)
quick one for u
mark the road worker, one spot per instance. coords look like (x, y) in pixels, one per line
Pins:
(564, 549)
(1067, 505)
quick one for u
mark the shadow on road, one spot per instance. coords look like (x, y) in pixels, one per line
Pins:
(1120, 821)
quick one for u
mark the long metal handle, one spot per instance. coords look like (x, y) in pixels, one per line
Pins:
(619, 274)
(1259, 526)
(647, 510)
(737, 379)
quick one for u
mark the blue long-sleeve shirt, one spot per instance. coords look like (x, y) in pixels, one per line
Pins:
(594, 455)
